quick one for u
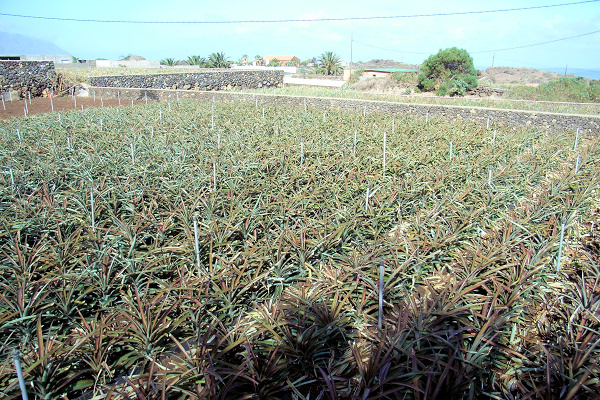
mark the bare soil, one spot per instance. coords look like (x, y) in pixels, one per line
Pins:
(41, 105)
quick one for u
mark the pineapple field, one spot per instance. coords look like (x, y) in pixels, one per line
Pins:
(196, 249)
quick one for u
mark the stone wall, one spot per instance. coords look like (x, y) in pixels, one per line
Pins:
(478, 115)
(205, 80)
(24, 76)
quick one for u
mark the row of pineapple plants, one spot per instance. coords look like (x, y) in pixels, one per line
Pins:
(220, 250)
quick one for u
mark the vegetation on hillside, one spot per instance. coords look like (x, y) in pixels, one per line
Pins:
(573, 89)
(450, 71)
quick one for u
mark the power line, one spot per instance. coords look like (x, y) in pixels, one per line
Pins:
(535, 44)
(488, 51)
(301, 19)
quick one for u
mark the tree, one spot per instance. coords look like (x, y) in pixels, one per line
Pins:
(168, 61)
(450, 71)
(196, 60)
(258, 59)
(329, 64)
(274, 63)
(218, 60)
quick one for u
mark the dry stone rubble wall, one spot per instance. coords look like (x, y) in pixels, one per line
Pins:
(27, 76)
(209, 80)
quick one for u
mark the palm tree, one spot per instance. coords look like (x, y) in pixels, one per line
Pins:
(244, 59)
(168, 61)
(329, 64)
(218, 60)
(259, 60)
(196, 60)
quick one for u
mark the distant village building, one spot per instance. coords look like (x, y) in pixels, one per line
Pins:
(58, 59)
(284, 61)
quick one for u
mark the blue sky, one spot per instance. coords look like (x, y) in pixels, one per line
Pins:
(403, 39)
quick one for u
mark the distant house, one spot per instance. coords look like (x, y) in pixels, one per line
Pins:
(58, 59)
(283, 60)
(383, 72)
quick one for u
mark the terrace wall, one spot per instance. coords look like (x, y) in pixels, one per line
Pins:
(479, 115)
(24, 76)
(205, 80)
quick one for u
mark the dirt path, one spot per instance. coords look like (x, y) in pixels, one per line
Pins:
(42, 105)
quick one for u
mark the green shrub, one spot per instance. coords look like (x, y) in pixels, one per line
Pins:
(450, 71)
(355, 76)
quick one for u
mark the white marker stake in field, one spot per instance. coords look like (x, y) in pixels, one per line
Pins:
(305, 104)
(100, 124)
(451, 150)
(151, 132)
(427, 118)
(577, 163)
(12, 179)
(214, 176)
(384, 149)
(160, 115)
(367, 199)
(19, 135)
(51, 104)
(576, 139)
(263, 115)
(3, 105)
(92, 208)
(119, 97)
(494, 138)
(487, 126)
(380, 322)
(29, 94)
(490, 179)
(94, 93)
(145, 97)
(132, 101)
(169, 104)
(101, 102)
(132, 156)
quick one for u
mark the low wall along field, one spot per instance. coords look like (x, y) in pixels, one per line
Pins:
(210, 80)
(478, 115)
(26, 76)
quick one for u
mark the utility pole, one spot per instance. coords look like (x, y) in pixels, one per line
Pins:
(566, 69)
(351, 38)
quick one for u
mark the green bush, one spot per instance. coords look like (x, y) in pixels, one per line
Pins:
(355, 76)
(450, 71)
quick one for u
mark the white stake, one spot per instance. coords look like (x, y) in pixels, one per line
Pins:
(20, 378)
(145, 97)
(100, 124)
(59, 120)
(487, 126)
(577, 163)
(305, 104)
(160, 115)
(576, 139)
(94, 92)
(132, 101)
(92, 208)
(494, 138)
(560, 246)
(82, 107)
(3, 105)
(451, 150)
(151, 132)
(51, 104)
(169, 104)
(427, 117)
(75, 102)
(25, 111)
(101, 102)
(367, 199)
(177, 93)
(490, 178)
(255, 102)
(218, 140)
(119, 97)
(19, 135)
(196, 248)
(68, 142)
(365, 111)
(132, 156)
(214, 176)
(384, 149)
(12, 179)
(381, 265)
(29, 94)
(263, 112)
